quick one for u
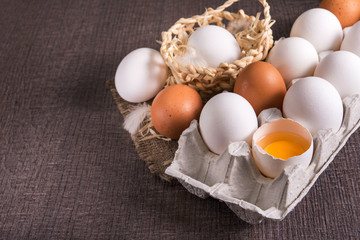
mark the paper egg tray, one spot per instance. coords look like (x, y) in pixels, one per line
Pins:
(233, 178)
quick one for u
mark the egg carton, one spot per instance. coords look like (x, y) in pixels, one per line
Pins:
(233, 177)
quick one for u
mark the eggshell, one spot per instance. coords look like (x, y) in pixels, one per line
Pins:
(271, 166)
(234, 179)
(347, 11)
(294, 58)
(352, 39)
(320, 27)
(215, 45)
(174, 108)
(226, 118)
(341, 69)
(140, 75)
(314, 103)
(262, 85)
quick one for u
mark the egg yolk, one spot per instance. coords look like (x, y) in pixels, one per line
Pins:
(284, 145)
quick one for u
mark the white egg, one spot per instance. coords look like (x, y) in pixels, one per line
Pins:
(271, 166)
(314, 103)
(226, 118)
(140, 75)
(294, 58)
(341, 69)
(214, 45)
(351, 40)
(320, 27)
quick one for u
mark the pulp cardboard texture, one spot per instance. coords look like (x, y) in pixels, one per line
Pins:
(233, 177)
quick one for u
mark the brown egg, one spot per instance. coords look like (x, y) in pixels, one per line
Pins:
(347, 11)
(262, 85)
(174, 108)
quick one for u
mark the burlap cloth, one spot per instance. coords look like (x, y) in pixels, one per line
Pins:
(157, 153)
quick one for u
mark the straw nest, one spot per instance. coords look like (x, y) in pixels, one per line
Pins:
(254, 36)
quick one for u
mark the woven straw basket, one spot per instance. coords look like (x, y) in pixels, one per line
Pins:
(253, 35)
(255, 39)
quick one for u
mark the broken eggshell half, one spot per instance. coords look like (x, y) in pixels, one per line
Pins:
(233, 178)
(271, 166)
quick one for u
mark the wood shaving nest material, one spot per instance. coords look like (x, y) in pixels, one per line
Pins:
(255, 39)
(254, 36)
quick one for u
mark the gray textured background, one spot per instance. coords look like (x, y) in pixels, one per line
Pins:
(68, 169)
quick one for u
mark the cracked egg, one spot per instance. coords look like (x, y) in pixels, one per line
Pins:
(281, 143)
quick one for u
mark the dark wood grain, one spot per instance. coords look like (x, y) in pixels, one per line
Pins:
(67, 168)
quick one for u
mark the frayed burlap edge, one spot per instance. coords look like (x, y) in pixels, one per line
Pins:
(255, 38)
(157, 153)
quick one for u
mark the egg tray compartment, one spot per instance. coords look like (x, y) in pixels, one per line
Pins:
(233, 177)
